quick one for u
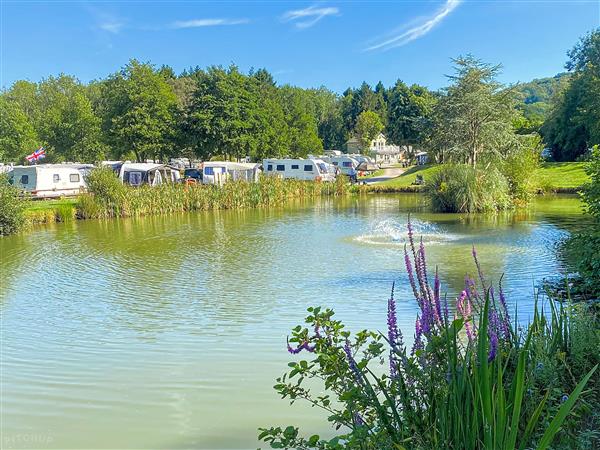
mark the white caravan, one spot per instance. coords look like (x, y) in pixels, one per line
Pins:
(346, 164)
(300, 169)
(50, 180)
(219, 172)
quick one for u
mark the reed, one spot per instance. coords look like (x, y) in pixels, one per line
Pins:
(107, 199)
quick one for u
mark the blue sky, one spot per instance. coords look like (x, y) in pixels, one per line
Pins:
(335, 44)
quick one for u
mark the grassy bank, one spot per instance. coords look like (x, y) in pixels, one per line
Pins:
(50, 211)
(565, 177)
(561, 177)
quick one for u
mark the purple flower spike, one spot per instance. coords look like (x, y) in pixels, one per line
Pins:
(418, 335)
(436, 296)
(493, 326)
(392, 321)
(351, 361)
(478, 267)
(411, 275)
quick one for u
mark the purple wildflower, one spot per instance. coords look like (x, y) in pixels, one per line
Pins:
(351, 361)
(478, 267)
(505, 316)
(392, 320)
(303, 346)
(411, 276)
(427, 319)
(436, 296)
(418, 335)
(463, 306)
(493, 326)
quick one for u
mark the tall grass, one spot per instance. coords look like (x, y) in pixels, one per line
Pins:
(107, 197)
(461, 188)
(475, 379)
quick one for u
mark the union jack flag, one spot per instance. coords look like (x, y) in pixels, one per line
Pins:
(38, 154)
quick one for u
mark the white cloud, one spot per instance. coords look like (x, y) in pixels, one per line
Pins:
(197, 23)
(419, 30)
(111, 26)
(307, 17)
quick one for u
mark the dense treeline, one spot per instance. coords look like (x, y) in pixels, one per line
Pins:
(143, 111)
(573, 125)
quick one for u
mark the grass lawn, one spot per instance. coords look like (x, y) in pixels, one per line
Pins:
(39, 205)
(408, 177)
(562, 175)
(550, 176)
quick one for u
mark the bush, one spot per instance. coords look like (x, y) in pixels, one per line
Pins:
(461, 188)
(12, 206)
(584, 247)
(519, 168)
(473, 381)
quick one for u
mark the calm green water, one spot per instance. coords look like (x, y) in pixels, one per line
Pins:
(169, 332)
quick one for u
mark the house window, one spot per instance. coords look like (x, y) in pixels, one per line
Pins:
(280, 167)
(308, 168)
(270, 168)
(209, 171)
(74, 178)
(347, 164)
(56, 178)
(24, 179)
(295, 166)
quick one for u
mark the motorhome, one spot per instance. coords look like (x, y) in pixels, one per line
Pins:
(346, 164)
(50, 180)
(136, 174)
(300, 169)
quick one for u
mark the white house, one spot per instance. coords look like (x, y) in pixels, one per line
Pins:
(379, 149)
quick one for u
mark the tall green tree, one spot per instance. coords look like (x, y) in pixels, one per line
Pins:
(474, 119)
(17, 135)
(409, 113)
(573, 125)
(68, 125)
(139, 112)
(368, 126)
(303, 130)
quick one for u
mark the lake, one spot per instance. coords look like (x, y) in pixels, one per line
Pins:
(168, 332)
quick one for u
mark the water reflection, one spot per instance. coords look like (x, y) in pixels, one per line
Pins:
(165, 332)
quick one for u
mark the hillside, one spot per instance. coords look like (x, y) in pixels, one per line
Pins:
(537, 94)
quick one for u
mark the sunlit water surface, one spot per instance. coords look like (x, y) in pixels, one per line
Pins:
(168, 332)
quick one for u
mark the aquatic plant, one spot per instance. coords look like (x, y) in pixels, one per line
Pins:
(107, 197)
(469, 380)
(461, 188)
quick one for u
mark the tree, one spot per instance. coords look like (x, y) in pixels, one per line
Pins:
(573, 125)
(474, 118)
(17, 135)
(68, 125)
(409, 113)
(368, 126)
(139, 112)
(304, 136)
